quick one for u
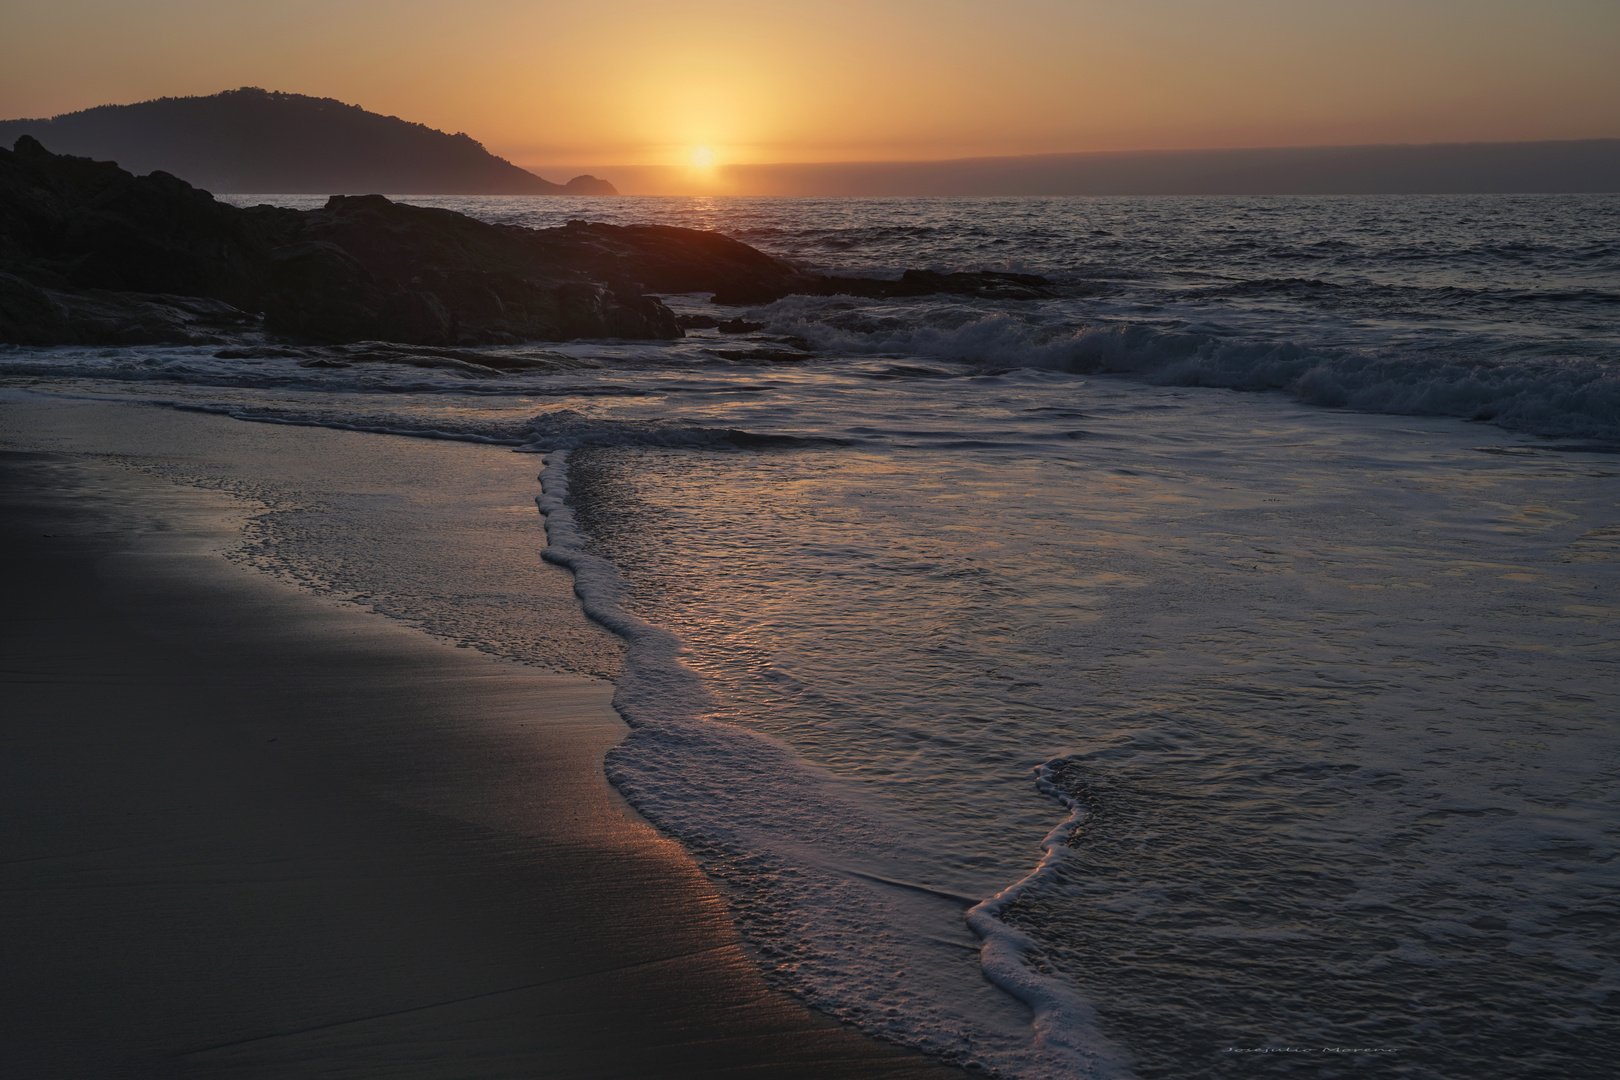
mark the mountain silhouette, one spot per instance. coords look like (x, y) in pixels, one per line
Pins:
(253, 140)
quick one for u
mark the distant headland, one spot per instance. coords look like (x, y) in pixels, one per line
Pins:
(253, 140)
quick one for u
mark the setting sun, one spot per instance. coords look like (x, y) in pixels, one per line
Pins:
(1048, 539)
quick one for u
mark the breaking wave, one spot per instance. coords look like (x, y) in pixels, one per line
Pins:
(1556, 396)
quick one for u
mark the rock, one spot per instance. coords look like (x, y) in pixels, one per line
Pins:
(101, 317)
(316, 291)
(667, 259)
(360, 268)
(588, 185)
(591, 310)
(447, 279)
(90, 254)
(751, 293)
(29, 315)
(696, 322)
(91, 225)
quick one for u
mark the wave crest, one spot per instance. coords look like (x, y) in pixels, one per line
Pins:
(1552, 396)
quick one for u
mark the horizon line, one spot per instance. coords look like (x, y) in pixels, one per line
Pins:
(596, 164)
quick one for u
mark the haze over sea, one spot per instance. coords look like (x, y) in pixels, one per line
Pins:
(1219, 657)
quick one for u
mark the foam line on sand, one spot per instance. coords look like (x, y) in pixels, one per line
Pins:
(253, 832)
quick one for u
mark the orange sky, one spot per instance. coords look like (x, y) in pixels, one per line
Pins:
(636, 82)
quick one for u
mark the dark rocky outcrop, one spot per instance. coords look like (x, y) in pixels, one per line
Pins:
(667, 259)
(368, 268)
(90, 254)
(30, 315)
(259, 140)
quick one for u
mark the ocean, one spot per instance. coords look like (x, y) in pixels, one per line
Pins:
(1209, 672)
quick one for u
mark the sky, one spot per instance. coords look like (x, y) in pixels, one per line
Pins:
(641, 83)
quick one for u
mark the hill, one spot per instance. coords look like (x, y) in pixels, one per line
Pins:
(253, 140)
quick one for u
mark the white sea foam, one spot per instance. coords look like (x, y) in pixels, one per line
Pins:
(1334, 686)
(1555, 396)
(833, 892)
(1300, 649)
(1065, 1022)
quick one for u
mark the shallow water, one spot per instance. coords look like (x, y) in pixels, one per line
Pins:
(1336, 699)
(1312, 708)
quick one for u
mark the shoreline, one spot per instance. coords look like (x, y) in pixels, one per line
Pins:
(263, 833)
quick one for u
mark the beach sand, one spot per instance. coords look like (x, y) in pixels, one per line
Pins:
(254, 832)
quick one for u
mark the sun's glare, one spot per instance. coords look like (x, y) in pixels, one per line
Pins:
(703, 157)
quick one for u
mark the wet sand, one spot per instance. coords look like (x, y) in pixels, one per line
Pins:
(254, 832)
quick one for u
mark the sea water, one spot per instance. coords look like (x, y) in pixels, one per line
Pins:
(1209, 672)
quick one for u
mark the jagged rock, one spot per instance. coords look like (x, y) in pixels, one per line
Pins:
(101, 317)
(90, 254)
(668, 259)
(433, 276)
(29, 315)
(360, 268)
(75, 224)
(319, 292)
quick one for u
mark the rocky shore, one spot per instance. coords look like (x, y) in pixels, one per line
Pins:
(93, 255)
